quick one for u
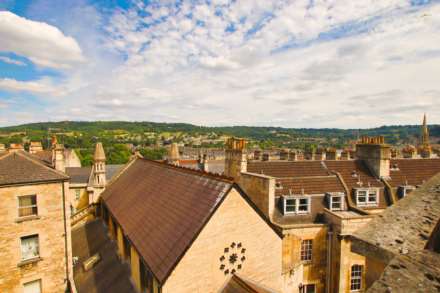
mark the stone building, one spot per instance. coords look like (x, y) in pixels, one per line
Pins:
(403, 252)
(318, 204)
(183, 230)
(87, 183)
(35, 244)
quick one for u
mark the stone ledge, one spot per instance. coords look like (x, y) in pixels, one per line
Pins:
(27, 218)
(29, 261)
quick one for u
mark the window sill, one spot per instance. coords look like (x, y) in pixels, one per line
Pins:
(29, 261)
(306, 262)
(27, 218)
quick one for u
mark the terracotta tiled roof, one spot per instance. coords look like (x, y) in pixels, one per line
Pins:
(309, 185)
(20, 167)
(288, 169)
(413, 171)
(364, 178)
(238, 284)
(162, 208)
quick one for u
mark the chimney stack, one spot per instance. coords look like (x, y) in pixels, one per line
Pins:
(35, 147)
(331, 154)
(293, 156)
(376, 154)
(284, 154)
(235, 157)
(2, 148)
(257, 155)
(58, 157)
(174, 156)
(13, 147)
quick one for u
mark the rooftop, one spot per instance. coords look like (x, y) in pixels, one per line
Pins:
(150, 199)
(20, 167)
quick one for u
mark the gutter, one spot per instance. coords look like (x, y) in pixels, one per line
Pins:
(389, 189)
(66, 255)
(329, 260)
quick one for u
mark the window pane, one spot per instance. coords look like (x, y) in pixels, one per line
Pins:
(306, 250)
(310, 288)
(356, 278)
(32, 287)
(290, 205)
(27, 205)
(303, 205)
(29, 247)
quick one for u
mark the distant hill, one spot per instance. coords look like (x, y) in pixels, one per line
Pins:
(79, 134)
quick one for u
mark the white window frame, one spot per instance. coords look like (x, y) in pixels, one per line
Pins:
(27, 207)
(406, 188)
(297, 204)
(357, 278)
(77, 193)
(38, 247)
(304, 288)
(306, 249)
(39, 281)
(368, 202)
(340, 195)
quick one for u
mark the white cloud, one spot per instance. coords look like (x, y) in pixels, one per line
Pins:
(42, 86)
(288, 63)
(43, 44)
(12, 61)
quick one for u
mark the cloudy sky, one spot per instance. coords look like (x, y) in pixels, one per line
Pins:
(299, 63)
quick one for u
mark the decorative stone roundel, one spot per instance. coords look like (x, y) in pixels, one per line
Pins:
(233, 258)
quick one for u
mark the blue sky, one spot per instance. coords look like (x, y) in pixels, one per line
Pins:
(306, 63)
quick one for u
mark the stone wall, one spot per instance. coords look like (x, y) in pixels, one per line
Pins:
(261, 190)
(234, 222)
(49, 225)
(297, 272)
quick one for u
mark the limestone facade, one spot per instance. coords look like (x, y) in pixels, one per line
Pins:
(51, 266)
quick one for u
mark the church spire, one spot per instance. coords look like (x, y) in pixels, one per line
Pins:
(425, 148)
(425, 132)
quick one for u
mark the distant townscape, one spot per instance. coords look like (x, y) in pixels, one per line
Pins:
(224, 214)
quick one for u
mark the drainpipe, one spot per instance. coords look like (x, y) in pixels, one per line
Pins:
(329, 260)
(65, 239)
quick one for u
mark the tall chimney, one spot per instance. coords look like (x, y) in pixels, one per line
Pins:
(235, 157)
(376, 154)
(58, 157)
(173, 155)
(257, 155)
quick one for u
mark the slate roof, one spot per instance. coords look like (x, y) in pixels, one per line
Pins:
(162, 208)
(238, 284)
(413, 171)
(399, 236)
(310, 185)
(79, 175)
(19, 167)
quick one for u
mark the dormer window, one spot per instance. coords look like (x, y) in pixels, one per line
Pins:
(296, 205)
(404, 190)
(394, 167)
(336, 201)
(367, 197)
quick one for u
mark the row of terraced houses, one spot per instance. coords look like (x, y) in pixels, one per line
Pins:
(263, 226)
